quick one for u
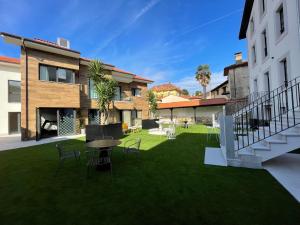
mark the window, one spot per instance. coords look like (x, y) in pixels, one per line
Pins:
(253, 55)
(252, 25)
(255, 86)
(265, 43)
(136, 92)
(267, 82)
(224, 91)
(55, 74)
(284, 71)
(262, 7)
(118, 94)
(14, 91)
(280, 19)
(92, 91)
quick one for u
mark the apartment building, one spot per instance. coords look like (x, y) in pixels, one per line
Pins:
(10, 96)
(57, 96)
(271, 28)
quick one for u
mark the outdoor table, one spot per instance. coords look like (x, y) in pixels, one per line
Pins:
(103, 146)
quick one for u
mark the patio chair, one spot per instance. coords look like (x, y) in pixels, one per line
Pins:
(63, 155)
(132, 146)
(94, 160)
(171, 133)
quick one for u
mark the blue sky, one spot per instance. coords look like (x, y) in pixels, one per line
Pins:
(164, 40)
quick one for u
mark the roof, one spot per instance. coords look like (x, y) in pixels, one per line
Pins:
(219, 86)
(234, 66)
(166, 87)
(55, 45)
(39, 41)
(193, 103)
(9, 60)
(246, 18)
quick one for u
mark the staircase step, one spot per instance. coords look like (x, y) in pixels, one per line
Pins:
(260, 147)
(274, 141)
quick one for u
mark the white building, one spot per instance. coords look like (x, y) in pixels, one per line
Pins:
(10, 96)
(272, 30)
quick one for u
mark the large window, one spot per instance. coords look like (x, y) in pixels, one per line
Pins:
(284, 71)
(92, 91)
(265, 43)
(252, 26)
(136, 92)
(14, 91)
(280, 20)
(118, 94)
(262, 7)
(56, 74)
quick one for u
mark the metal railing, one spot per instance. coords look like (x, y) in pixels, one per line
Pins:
(268, 115)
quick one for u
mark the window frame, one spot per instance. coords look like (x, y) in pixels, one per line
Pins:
(56, 74)
(133, 92)
(8, 92)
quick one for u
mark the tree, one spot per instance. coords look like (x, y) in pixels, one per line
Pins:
(152, 102)
(104, 85)
(198, 93)
(203, 76)
(185, 92)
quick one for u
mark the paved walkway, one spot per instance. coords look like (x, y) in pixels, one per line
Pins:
(14, 141)
(286, 170)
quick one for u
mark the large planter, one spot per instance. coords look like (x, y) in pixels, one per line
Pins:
(94, 132)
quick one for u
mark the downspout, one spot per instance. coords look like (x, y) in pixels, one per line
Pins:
(26, 89)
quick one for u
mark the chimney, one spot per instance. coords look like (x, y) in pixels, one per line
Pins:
(238, 57)
(63, 42)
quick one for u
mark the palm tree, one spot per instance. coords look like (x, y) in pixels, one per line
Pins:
(104, 85)
(203, 76)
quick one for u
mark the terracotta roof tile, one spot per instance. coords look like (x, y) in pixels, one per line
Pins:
(9, 60)
(193, 103)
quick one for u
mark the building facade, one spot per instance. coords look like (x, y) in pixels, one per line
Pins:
(271, 28)
(57, 97)
(164, 90)
(238, 78)
(221, 91)
(10, 96)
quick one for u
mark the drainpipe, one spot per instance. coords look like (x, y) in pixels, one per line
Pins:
(26, 90)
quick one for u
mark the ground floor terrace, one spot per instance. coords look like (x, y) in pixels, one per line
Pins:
(168, 184)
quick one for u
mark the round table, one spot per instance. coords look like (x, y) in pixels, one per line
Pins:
(103, 145)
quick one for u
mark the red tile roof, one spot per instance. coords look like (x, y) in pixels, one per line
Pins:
(166, 87)
(9, 60)
(193, 103)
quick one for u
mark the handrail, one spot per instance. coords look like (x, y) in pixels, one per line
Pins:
(263, 111)
(266, 94)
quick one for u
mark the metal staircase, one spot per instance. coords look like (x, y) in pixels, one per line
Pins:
(269, 126)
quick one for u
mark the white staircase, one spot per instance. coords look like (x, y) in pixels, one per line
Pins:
(267, 127)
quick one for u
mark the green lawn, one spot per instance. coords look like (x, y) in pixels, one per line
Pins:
(169, 185)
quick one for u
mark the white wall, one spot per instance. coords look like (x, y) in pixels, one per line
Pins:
(287, 45)
(7, 72)
(208, 112)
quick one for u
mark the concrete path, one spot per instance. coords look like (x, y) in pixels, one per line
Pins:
(14, 141)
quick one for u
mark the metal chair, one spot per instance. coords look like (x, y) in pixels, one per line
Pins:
(171, 132)
(132, 146)
(63, 155)
(95, 159)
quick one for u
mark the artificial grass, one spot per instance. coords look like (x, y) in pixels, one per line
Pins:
(169, 184)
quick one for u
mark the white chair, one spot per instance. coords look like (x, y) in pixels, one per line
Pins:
(171, 132)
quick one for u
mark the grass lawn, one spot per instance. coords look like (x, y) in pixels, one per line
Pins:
(168, 185)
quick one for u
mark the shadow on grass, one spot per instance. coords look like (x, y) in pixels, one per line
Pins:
(169, 184)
